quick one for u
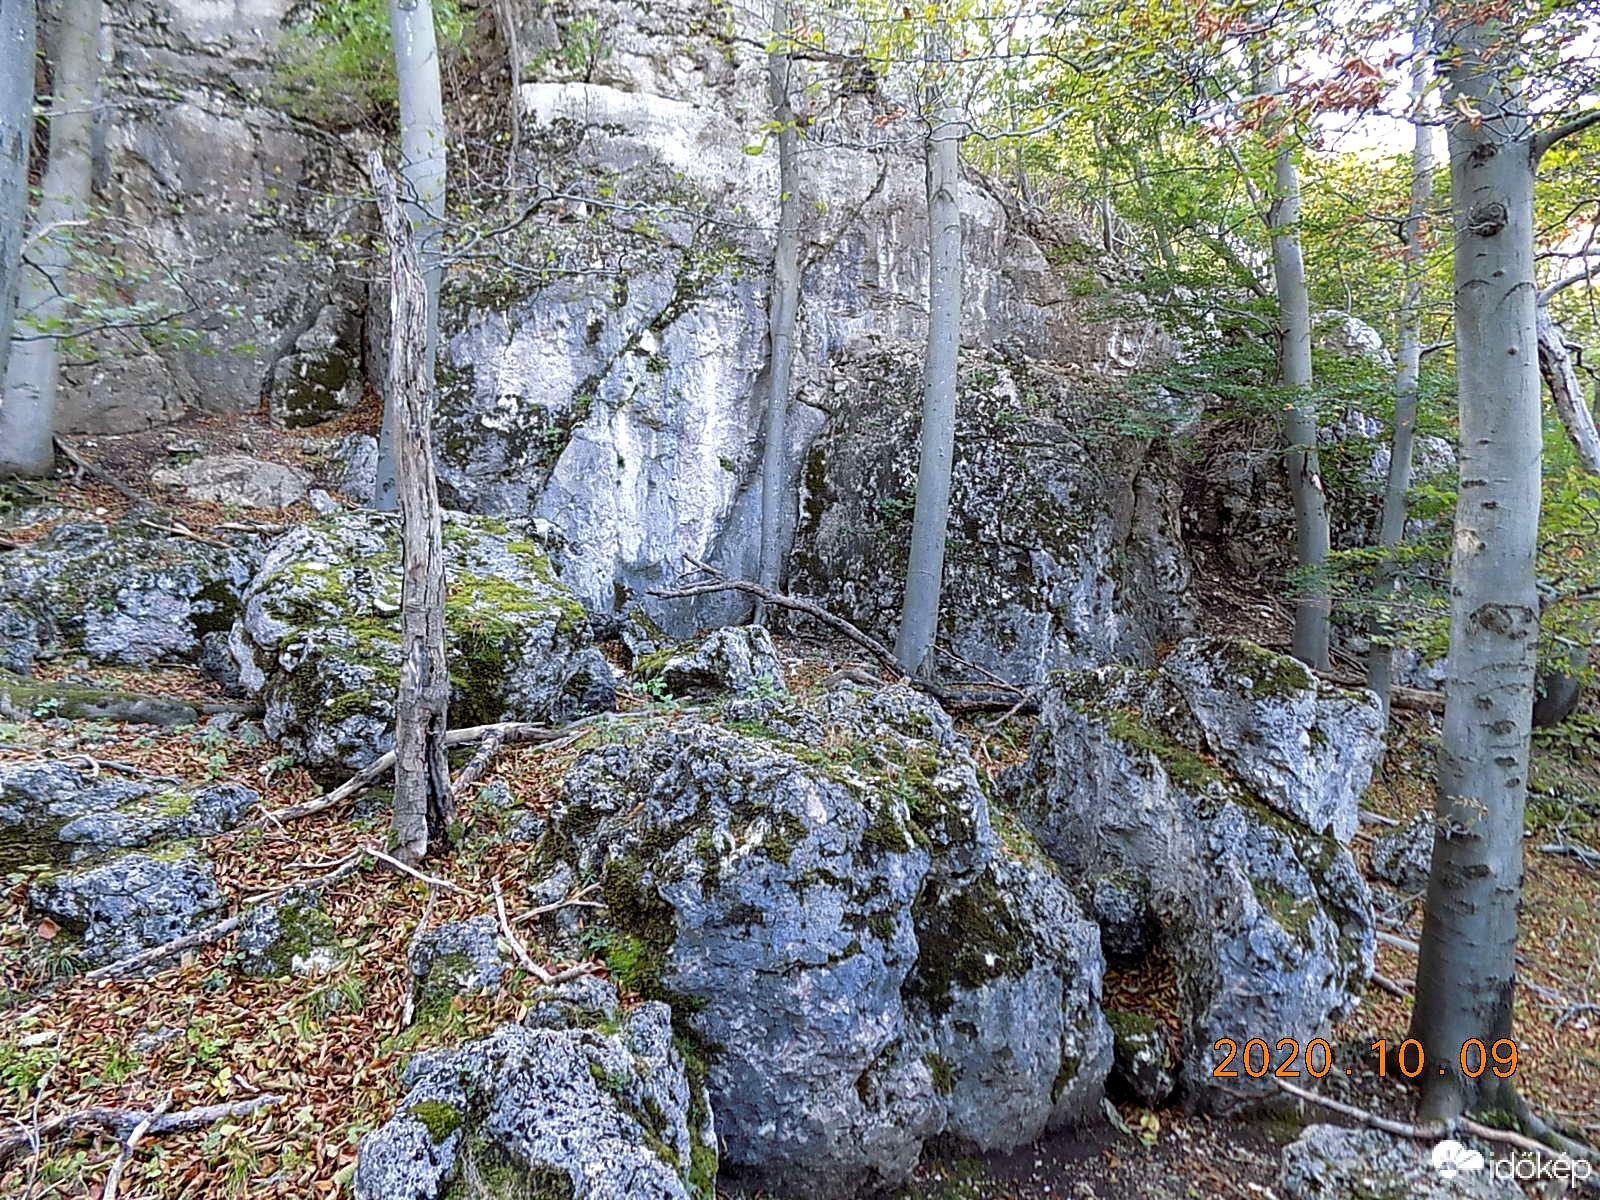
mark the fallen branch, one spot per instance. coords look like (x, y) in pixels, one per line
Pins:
(114, 1176)
(121, 1122)
(106, 477)
(511, 937)
(1415, 699)
(1384, 983)
(204, 937)
(960, 698)
(1431, 1132)
(578, 899)
(1588, 857)
(477, 764)
(507, 731)
(1372, 818)
(431, 880)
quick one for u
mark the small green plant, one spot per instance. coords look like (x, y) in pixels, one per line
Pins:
(338, 63)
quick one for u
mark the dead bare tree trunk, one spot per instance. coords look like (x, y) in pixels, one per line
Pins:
(424, 802)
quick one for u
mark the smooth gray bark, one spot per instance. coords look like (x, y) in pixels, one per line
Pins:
(424, 802)
(422, 171)
(1312, 605)
(782, 308)
(1466, 968)
(919, 618)
(17, 48)
(1392, 528)
(27, 417)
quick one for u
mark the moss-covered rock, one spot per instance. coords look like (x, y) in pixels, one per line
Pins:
(816, 889)
(118, 592)
(1065, 547)
(289, 935)
(319, 637)
(1201, 807)
(583, 1099)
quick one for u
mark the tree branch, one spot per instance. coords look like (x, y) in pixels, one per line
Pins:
(1550, 137)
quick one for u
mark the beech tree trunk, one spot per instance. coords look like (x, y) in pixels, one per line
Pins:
(1466, 969)
(919, 618)
(422, 172)
(1392, 528)
(424, 803)
(17, 48)
(27, 417)
(1312, 606)
(782, 307)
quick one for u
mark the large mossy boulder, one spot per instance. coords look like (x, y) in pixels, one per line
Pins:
(1208, 811)
(818, 892)
(1065, 547)
(116, 592)
(581, 1101)
(319, 636)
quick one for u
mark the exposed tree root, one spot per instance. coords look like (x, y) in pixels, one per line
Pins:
(1428, 1133)
(504, 731)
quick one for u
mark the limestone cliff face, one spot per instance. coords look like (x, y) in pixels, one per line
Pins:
(221, 207)
(603, 363)
(626, 405)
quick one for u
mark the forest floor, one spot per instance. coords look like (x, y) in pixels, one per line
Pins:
(197, 1033)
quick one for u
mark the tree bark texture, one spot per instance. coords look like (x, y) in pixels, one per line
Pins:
(424, 802)
(783, 306)
(1392, 527)
(17, 49)
(919, 619)
(27, 417)
(1466, 967)
(422, 172)
(1312, 538)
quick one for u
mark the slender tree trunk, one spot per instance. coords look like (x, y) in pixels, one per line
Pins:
(919, 620)
(1466, 969)
(17, 48)
(1313, 605)
(422, 170)
(424, 803)
(782, 307)
(506, 20)
(27, 418)
(1392, 529)
(1561, 377)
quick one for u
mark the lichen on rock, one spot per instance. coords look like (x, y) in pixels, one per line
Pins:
(319, 636)
(118, 592)
(1236, 846)
(582, 1100)
(817, 891)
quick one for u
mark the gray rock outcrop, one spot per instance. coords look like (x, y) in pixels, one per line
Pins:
(582, 1100)
(66, 813)
(119, 593)
(236, 479)
(455, 958)
(1404, 856)
(1330, 1162)
(129, 901)
(819, 893)
(1253, 895)
(290, 934)
(1065, 549)
(734, 659)
(318, 638)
